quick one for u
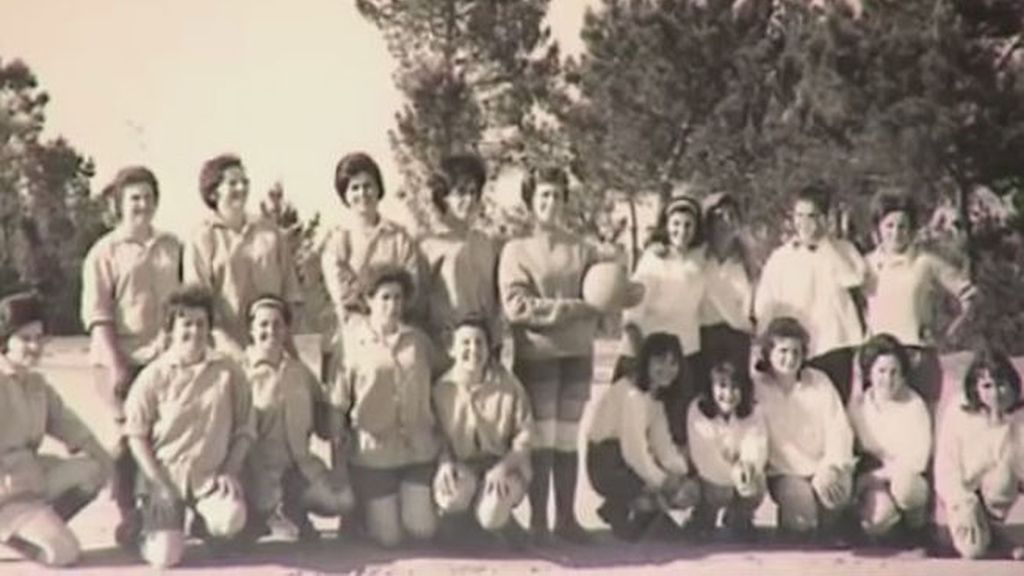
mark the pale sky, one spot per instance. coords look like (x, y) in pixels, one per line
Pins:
(289, 86)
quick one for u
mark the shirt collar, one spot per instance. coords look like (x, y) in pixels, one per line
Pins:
(889, 260)
(257, 357)
(214, 220)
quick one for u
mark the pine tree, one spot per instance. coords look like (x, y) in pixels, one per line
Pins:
(47, 220)
(475, 74)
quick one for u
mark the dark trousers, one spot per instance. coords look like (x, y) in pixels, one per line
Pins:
(837, 364)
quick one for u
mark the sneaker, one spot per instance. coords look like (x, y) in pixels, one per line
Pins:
(572, 533)
(541, 536)
(513, 537)
(128, 533)
(281, 527)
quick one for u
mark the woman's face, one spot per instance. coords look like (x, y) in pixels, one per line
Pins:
(887, 378)
(663, 370)
(138, 204)
(190, 334)
(724, 221)
(269, 329)
(787, 355)
(894, 232)
(681, 228)
(808, 221)
(725, 392)
(461, 202)
(363, 194)
(25, 346)
(232, 194)
(469, 348)
(386, 304)
(548, 202)
(996, 395)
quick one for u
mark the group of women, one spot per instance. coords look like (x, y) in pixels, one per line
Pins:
(829, 409)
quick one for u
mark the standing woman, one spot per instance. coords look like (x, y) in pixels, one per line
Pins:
(539, 279)
(903, 283)
(365, 238)
(730, 274)
(811, 277)
(675, 289)
(126, 278)
(236, 257)
(462, 260)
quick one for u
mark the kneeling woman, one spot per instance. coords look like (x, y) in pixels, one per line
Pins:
(894, 442)
(979, 457)
(810, 443)
(39, 494)
(485, 415)
(631, 458)
(384, 389)
(728, 443)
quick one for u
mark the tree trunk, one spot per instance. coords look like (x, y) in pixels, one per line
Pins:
(963, 210)
(634, 233)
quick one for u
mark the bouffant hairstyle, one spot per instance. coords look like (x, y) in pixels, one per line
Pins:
(377, 275)
(781, 328)
(349, 166)
(129, 176)
(999, 367)
(17, 310)
(451, 170)
(212, 174)
(891, 200)
(547, 174)
(188, 298)
(876, 347)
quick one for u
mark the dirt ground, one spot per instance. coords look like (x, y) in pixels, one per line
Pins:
(66, 366)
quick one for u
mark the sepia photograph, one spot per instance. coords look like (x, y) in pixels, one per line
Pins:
(484, 287)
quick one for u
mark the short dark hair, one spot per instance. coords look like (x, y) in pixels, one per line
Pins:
(452, 168)
(998, 365)
(212, 174)
(377, 275)
(349, 166)
(783, 327)
(128, 176)
(190, 297)
(654, 345)
(818, 194)
(740, 378)
(269, 301)
(478, 321)
(549, 174)
(17, 310)
(876, 347)
(890, 200)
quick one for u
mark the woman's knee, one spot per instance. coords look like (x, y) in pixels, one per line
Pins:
(910, 492)
(798, 509)
(417, 510)
(382, 521)
(878, 512)
(163, 549)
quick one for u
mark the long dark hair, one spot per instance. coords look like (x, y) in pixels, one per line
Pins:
(654, 345)
(740, 379)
